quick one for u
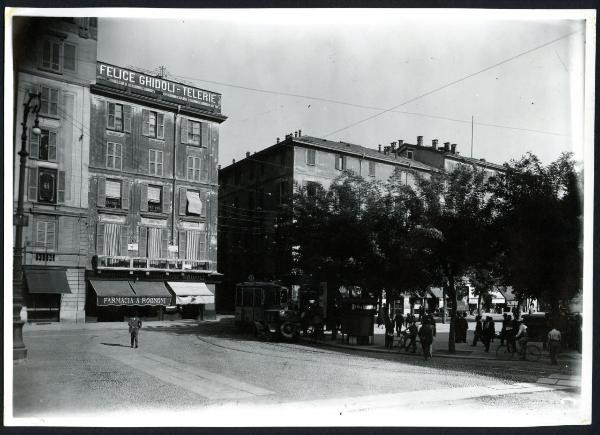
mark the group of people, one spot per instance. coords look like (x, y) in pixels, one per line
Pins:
(425, 333)
(485, 331)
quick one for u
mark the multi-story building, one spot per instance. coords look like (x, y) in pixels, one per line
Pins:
(152, 195)
(254, 191)
(55, 57)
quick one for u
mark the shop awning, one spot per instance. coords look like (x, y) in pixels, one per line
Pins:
(187, 293)
(151, 292)
(47, 281)
(436, 292)
(113, 292)
(194, 203)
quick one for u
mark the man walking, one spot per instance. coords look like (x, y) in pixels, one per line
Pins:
(553, 344)
(521, 338)
(488, 332)
(478, 330)
(389, 332)
(412, 337)
(134, 326)
(426, 336)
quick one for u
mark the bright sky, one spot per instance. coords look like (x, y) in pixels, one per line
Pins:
(391, 59)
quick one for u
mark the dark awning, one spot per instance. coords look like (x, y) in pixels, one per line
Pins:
(47, 281)
(151, 292)
(113, 292)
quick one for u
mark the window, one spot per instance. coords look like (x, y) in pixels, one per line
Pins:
(114, 156)
(153, 124)
(115, 117)
(371, 169)
(409, 154)
(155, 199)
(49, 101)
(156, 162)
(46, 235)
(193, 168)
(113, 194)
(43, 146)
(47, 185)
(58, 55)
(195, 245)
(340, 162)
(194, 203)
(311, 156)
(311, 188)
(194, 134)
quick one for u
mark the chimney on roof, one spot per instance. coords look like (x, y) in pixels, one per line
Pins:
(386, 150)
(420, 140)
(434, 144)
(299, 133)
(233, 160)
(288, 136)
(295, 134)
(453, 148)
(379, 146)
(446, 146)
(247, 153)
(393, 146)
(277, 140)
(219, 167)
(400, 142)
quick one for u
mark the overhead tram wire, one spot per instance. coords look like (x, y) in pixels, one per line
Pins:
(452, 83)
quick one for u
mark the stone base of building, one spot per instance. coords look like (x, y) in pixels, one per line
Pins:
(72, 316)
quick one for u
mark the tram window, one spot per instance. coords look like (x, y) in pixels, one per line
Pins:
(257, 297)
(238, 296)
(271, 297)
(247, 298)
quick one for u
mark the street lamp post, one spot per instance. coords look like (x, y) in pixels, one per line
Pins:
(20, 220)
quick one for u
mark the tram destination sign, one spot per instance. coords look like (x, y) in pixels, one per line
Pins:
(133, 300)
(155, 85)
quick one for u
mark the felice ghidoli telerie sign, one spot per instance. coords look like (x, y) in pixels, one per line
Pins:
(133, 300)
(144, 82)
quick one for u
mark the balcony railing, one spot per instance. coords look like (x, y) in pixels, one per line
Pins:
(111, 262)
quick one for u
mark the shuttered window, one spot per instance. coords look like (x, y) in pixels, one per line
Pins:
(112, 239)
(154, 194)
(46, 235)
(371, 169)
(69, 51)
(51, 53)
(153, 124)
(193, 168)
(194, 135)
(114, 156)
(195, 246)
(156, 162)
(311, 157)
(113, 194)
(154, 242)
(115, 116)
(43, 146)
(340, 162)
(49, 101)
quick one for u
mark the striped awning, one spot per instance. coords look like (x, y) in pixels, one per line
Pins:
(187, 293)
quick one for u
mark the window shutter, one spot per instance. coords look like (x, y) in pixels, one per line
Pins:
(50, 235)
(166, 198)
(101, 192)
(61, 187)
(33, 184)
(143, 242)
(143, 197)
(160, 125)
(182, 200)
(124, 240)
(127, 118)
(145, 122)
(204, 128)
(182, 244)
(203, 168)
(125, 195)
(100, 239)
(184, 130)
(40, 239)
(34, 145)
(204, 200)
(110, 115)
(164, 244)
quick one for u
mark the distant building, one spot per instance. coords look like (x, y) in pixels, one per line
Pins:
(152, 196)
(254, 191)
(57, 58)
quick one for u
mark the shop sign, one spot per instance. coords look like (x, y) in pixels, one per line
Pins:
(148, 83)
(153, 222)
(133, 300)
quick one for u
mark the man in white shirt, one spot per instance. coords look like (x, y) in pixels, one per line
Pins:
(521, 338)
(553, 343)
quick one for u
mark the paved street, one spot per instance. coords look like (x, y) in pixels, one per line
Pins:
(192, 374)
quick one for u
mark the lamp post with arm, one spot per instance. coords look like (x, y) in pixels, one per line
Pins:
(20, 220)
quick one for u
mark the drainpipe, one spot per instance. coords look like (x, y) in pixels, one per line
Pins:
(174, 175)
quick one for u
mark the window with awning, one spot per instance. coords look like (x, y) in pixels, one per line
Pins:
(191, 293)
(194, 204)
(116, 292)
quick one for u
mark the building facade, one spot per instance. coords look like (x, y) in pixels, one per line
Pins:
(56, 58)
(152, 196)
(255, 191)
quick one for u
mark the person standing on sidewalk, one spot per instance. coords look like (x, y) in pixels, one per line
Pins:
(478, 330)
(412, 337)
(553, 344)
(488, 332)
(521, 337)
(426, 337)
(389, 332)
(399, 323)
(134, 326)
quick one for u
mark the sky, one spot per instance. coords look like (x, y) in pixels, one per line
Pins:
(373, 76)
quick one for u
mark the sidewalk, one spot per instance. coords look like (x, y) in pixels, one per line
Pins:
(440, 346)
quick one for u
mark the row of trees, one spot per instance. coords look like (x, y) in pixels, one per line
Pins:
(521, 228)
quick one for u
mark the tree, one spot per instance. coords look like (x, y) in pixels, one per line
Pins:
(539, 219)
(455, 227)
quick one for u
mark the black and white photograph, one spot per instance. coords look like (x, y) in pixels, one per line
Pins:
(298, 217)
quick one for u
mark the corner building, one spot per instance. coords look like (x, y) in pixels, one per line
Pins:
(153, 197)
(56, 58)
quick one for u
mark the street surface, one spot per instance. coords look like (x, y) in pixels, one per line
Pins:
(210, 374)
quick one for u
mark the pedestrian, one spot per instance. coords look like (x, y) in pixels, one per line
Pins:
(521, 338)
(426, 336)
(553, 344)
(134, 327)
(412, 337)
(389, 333)
(462, 325)
(488, 332)
(503, 330)
(399, 323)
(478, 330)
